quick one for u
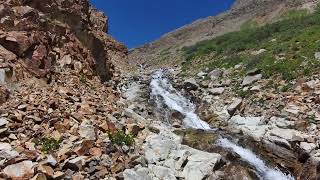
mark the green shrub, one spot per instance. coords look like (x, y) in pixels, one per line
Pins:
(48, 144)
(119, 137)
(83, 78)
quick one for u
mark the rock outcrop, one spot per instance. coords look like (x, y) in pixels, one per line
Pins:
(58, 74)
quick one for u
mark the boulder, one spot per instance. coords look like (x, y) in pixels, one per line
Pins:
(86, 130)
(234, 106)
(75, 164)
(251, 126)
(251, 79)
(216, 91)
(131, 114)
(287, 134)
(200, 164)
(253, 72)
(190, 84)
(22, 170)
(308, 147)
(160, 172)
(215, 74)
(317, 55)
(140, 174)
(158, 148)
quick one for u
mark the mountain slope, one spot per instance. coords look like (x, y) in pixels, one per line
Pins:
(165, 51)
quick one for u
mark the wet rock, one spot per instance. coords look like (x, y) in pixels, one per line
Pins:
(191, 138)
(215, 74)
(251, 79)
(22, 170)
(216, 91)
(234, 106)
(190, 85)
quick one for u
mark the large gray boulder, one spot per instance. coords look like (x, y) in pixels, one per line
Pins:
(251, 79)
(158, 148)
(251, 126)
(215, 74)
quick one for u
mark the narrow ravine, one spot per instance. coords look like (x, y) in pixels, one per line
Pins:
(165, 95)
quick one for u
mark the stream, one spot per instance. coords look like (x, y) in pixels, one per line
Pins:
(167, 97)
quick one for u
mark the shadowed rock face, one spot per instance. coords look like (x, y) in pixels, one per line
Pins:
(210, 27)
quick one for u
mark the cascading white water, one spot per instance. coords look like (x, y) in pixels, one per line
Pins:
(264, 171)
(160, 87)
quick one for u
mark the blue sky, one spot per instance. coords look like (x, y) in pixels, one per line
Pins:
(136, 22)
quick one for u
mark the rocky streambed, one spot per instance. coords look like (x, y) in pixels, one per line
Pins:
(184, 145)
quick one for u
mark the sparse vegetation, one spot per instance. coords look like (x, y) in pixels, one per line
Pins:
(249, 24)
(294, 13)
(290, 45)
(119, 137)
(48, 144)
(83, 78)
(312, 119)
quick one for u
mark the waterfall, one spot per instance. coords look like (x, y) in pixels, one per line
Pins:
(163, 92)
(265, 172)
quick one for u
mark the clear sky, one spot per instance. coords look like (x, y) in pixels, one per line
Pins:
(136, 22)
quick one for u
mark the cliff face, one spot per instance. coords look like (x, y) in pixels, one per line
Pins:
(210, 27)
(40, 35)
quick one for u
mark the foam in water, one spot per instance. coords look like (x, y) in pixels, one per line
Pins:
(247, 155)
(174, 100)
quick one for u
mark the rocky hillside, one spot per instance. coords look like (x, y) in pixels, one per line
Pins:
(166, 50)
(58, 72)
